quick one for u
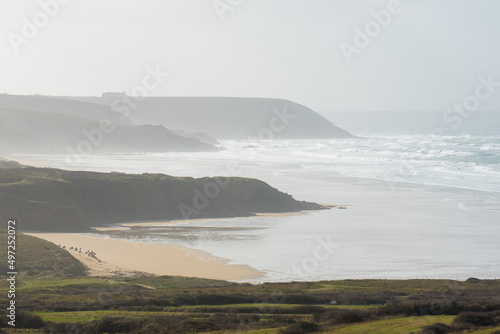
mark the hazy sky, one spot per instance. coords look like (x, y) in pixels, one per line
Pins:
(427, 56)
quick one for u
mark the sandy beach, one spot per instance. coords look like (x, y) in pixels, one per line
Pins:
(119, 257)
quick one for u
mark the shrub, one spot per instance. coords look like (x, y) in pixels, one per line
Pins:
(28, 320)
(300, 328)
(341, 316)
(492, 307)
(474, 319)
(211, 299)
(305, 309)
(113, 325)
(432, 307)
(57, 328)
(301, 299)
(281, 319)
(437, 328)
(473, 280)
(347, 317)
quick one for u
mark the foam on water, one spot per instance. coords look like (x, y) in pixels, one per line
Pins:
(452, 161)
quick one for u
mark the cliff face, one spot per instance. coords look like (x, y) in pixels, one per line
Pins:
(56, 200)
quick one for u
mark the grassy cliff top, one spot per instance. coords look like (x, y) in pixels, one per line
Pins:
(46, 199)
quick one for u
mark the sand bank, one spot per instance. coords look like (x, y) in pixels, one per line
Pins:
(119, 257)
(126, 226)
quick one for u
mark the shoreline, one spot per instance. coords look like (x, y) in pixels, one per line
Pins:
(120, 257)
(128, 258)
(127, 226)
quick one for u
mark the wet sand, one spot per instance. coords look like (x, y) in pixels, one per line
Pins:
(126, 226)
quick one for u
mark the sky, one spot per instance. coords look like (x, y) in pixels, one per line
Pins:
(330, 55)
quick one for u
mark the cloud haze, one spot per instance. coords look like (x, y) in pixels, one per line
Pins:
(428, 57)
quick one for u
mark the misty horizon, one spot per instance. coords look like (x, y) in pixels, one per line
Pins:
(425, 55)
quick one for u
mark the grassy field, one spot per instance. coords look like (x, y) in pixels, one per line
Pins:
(57, 297)
(393, 326)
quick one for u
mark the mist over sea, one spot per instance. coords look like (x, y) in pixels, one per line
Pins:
(416, 206)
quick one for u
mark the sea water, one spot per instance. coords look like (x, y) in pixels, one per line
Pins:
(416, 206)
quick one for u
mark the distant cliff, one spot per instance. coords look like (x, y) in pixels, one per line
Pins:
(23, 131)
(49, 124)
(59, 105)
(44, 199)
(231, 118)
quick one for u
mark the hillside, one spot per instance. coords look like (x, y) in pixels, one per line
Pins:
(45, 199)
(232, 118)
(62, 106)
(4, 163)
(36, 258)
(38, 132)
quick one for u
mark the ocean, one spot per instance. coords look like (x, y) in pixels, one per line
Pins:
(416, 206)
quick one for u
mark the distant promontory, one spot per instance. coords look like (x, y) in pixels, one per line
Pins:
(230, 117)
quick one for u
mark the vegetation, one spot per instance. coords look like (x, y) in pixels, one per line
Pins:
(45, 199)
(40, 259)
(185, 305)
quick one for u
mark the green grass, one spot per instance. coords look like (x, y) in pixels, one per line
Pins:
(84, 316)
(392, 326)
(257, 331)
(405, 286)
(176, 282)
(270, 305)
(264, 331)
(62, 286)
(38, 258)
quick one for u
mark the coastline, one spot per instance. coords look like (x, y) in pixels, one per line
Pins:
(128, 258)
(126, 226)
(131, 258)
